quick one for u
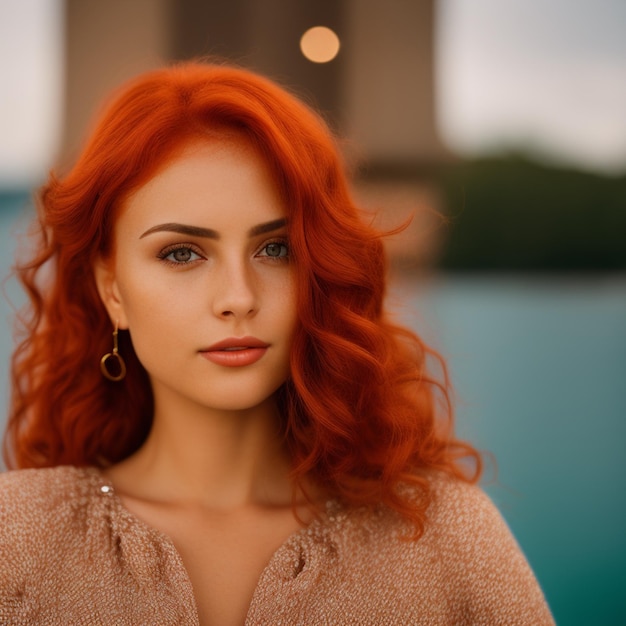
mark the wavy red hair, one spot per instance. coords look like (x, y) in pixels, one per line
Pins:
(362, 415)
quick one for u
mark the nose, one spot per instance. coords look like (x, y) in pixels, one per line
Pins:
(235, 295)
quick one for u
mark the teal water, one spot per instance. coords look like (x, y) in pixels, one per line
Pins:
(15, 213)
(539, 367)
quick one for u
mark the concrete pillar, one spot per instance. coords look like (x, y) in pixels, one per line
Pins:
(106, 43)
(389, 98)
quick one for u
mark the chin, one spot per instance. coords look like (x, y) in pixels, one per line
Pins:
(238, 401)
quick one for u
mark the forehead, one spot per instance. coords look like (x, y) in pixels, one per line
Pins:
(208, 180)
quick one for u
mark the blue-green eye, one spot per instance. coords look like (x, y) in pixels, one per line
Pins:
(180, 255)
(275, 250)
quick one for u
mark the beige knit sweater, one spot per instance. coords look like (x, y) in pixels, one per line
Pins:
(71, 554)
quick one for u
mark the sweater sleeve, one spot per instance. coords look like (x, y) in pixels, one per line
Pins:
(494, 580)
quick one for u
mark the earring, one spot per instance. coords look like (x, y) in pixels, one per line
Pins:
(113, 355)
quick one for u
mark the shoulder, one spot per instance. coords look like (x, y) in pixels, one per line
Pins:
(469, 530)
(482, 558)
(458, 514)
(35, 491)
(467, 566)
(38, 506)
(70, 554)
(461, 512)
(46, 477)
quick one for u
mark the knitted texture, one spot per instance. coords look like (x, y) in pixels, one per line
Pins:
(71, 553)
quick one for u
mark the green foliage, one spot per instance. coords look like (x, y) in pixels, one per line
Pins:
(512, 214)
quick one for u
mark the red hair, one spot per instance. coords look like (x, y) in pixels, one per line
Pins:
(362, 415)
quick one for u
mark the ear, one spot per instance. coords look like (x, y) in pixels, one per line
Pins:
(106, 282)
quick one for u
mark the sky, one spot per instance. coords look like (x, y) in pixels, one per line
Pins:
(548, 76)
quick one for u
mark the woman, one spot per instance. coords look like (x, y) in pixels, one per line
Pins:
(223, 425)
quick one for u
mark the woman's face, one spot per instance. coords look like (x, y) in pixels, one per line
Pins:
(201, 277)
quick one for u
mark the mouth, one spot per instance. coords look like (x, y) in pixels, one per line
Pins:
(233, 344)
(235, 351)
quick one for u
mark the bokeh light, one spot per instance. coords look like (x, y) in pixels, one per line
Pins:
(320, 44)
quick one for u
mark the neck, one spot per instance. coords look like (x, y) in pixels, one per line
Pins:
(218, 459)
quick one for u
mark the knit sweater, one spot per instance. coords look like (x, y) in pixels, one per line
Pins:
(72, 554)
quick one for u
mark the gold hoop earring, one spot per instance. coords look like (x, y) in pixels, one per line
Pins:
(113, 355)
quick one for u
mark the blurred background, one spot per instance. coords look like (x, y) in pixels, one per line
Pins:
(500, 127)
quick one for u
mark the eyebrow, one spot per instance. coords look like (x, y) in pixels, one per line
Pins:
(209, 233)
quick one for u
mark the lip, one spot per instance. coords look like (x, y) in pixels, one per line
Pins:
(236, 342)
(235, 351)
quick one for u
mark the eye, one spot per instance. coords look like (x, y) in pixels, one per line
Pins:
(278, 250)
(179, 255)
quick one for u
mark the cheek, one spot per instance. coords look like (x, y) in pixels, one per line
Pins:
(144, 294)
(150, 316)
(286, 303)
(136, 300)
(290, 324)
